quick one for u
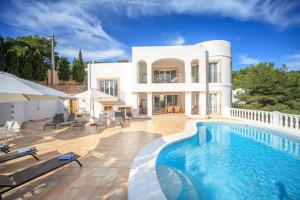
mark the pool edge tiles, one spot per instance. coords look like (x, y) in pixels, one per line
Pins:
(143, 183)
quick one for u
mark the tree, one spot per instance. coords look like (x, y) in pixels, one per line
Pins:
(3, 66)
(40, 43)
(268, 88)
(75, 65)
(27, 71)
(38, 66)
(12, 62)
(63, 69)
(78, 69)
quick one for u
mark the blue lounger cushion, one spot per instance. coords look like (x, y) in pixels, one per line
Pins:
(26, 150)
(67, 156)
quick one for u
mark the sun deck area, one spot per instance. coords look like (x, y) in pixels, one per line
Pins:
(106, 157)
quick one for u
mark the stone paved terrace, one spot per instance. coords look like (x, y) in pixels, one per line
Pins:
(106, 157)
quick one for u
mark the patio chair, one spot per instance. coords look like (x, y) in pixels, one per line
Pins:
(57, 119)
(118, 121)
(70, 120)
(12, 181)
(18, 154)
(79, 124)
(4, 148)
(102, 121)
(5, 131)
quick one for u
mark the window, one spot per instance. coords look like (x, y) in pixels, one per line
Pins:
(109, 87)
(213, 74)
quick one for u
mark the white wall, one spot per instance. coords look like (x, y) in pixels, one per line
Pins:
(114, 70)
(215, 50)
(30, 110)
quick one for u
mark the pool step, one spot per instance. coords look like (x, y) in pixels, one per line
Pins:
(175, 184)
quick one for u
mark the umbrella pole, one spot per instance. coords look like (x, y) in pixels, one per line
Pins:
(94, 110)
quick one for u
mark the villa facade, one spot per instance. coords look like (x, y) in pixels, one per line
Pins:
(194, 80)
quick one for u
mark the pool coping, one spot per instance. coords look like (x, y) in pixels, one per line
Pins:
(143, 183)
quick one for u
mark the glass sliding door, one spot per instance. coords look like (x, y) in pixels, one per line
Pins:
(213, 103)
(164, 76)
(195, 104)
(174, 77)
(161, 101)
(195, 74)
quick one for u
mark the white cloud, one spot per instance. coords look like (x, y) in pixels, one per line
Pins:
(281, 13)
(246, 60)
(71, 24)
(292, 61)
(176, 41)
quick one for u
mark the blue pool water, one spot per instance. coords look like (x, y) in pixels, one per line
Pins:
(229, 161)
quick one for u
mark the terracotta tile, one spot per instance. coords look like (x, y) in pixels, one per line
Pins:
(106, 157)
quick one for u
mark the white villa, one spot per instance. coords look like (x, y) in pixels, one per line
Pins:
(194, 80)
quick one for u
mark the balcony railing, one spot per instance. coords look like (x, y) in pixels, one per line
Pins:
(214, 77)
(179, 78)
(276, 119)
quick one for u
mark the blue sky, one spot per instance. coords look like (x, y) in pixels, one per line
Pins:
(107, 29)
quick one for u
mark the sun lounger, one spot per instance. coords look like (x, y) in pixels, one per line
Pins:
(18, 154)
(57, 119)
(102, 121)
(79, 124)
(9, 182)
(4, 148)
(118, 122)
(70, 121)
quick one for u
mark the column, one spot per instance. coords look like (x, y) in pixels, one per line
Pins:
(187, 71)
(203, 104)
(203, 69)
(135, 105)
(149, 104)
(188, 103)
(149, 72)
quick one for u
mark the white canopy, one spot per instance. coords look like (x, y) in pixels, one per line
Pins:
(93, 94)
(13, 88)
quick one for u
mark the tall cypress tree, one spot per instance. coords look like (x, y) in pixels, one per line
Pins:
(75, 69)
(81, 71)
(12, 61)
(78, 68)
(3, 66)
(63, 69)
(38, 66)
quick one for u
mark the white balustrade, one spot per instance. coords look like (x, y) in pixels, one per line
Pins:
(277, 119)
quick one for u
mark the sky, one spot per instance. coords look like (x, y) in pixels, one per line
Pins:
(105, 30)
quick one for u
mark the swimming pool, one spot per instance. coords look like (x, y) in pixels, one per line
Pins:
(231, 161)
